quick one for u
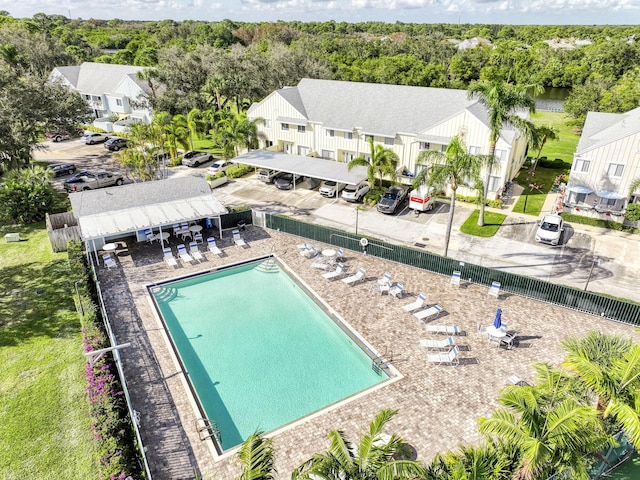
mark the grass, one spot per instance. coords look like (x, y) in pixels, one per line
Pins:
(565, 146)
(536, 198)
(492, 222)
(596, 222)
(45, 426)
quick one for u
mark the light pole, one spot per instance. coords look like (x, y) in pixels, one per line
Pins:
(593, 264)
(530, 171)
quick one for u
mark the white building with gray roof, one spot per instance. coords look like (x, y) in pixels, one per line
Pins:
(335, 119)
(108, 89)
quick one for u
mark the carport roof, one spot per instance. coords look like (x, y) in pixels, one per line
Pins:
(306, 166)
(129, 208)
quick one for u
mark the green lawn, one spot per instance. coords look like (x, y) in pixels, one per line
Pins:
(45, 427)
(492, 222)
(565, 146)
(542, 176)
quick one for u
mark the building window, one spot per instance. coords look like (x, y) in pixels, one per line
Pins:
(119, 102)
(424, 146)
(500, 155)
(302, 129)
(285, 126)
(366, 156)
(267, 123)
(330, 133)
(303, 150)
(474, 150)
(328, 154)
(443, 148)
(268, 143)
(581, 165)
(388, 141)
(581, 197)
(615, 170)
(348, 156)
(494, 183)
(368, 137)
(609, 202)
(348, 135)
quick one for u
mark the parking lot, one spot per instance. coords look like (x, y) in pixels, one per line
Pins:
(604, 260)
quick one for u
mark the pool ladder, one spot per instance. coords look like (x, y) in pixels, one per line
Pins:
(378, 363)
(268, 266)
(207, 429)
(165, 294)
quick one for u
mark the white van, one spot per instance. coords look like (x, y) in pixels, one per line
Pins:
(422, 199)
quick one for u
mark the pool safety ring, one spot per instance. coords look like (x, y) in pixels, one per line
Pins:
(364, 242)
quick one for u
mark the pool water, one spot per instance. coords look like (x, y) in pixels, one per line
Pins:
(259, 351)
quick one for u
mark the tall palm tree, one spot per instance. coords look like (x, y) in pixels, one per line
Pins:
(383, 162)
(485, 462)
(541, 135)
(609, 367)
(635, 186)
(452, 167)
(196, 124)
(372, 458)
(237, 131)
(257, 456)
(553, 431)
(502, 101)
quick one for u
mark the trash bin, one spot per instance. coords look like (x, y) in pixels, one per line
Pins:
(241, 224)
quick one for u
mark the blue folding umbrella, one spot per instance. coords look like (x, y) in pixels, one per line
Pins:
(497, 322)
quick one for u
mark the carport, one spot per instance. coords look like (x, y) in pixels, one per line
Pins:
(305, 166)
(111, 213)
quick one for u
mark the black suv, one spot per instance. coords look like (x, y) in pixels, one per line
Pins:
(392, 199)
(116, 143)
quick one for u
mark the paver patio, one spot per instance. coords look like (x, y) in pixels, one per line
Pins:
(439, 405)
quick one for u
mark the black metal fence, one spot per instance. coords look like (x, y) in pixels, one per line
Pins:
(562, 295)
(235, 219)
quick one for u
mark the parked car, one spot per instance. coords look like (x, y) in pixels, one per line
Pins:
(310, 183)
(116, 143)
(62, 168)
(550, 230)
(57, 136)
(92, 179)
(329, 188)
(91, 138)
(286, 181)
(392, 199)
(266, 175)
(195, 158)
(355, 193)
(219, 166)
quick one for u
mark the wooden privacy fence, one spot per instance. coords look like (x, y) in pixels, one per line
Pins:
(61, 228)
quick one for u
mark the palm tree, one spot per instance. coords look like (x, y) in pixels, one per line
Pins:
(609, 367)
(553, 431)
(257, 456)
(383, 162)
(372, 458)
(237, 131)
(196, 124)
(502, 100)
(453, 166)
(635, 185)
(541, 135)
(485, 462)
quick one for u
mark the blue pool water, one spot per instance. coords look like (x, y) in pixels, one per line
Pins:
(259, 351)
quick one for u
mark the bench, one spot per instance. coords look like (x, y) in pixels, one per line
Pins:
(12, 237)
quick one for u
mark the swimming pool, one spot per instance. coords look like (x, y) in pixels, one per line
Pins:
(260, 352)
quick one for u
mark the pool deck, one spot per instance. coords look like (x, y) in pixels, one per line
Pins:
(438, 405)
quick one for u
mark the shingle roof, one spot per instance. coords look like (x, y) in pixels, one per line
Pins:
(603, 128)
(99, 78)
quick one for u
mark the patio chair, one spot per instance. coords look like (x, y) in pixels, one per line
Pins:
(429, 312)
(357, 277)
(108, 261)
(494, 289)
(148, 233)
(415, 305)
(334, 274)
(508, 340)
(381, 288)
(455, 278)
(445, 344)
(339, 256)
(518, 381)
(482, 330)
(195, 251)
(446, 329)
(397, 290)
(450, 358)
(198, 238)
(182, 253)
(237, 239)
(169, 259)
(386, 278)
(309, 252)
(176, 230)
(321, 265)
(213, 248)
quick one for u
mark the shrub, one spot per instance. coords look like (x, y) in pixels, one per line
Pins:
(373, 196)
(596, 222)
(210, 178)
(238, 170)
(476, 201)
(633, 212)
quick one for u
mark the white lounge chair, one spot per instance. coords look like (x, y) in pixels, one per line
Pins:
(494, 289)
(108, 261)
(353, 279)
(445, 344)
(446, 329)
(309, 252)
(321, 265)
(429, 312)
(415, 305)
(396, 290)
(386, 278)
(169, 259)
(455, 278)
(381, 288)
(450, 358)
(518, 381)
(195, 251)
(198, 238)
(213, 248)
(237, 239)
(182, 253)
(336, 273)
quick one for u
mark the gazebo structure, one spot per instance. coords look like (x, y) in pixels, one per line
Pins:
(109, 214)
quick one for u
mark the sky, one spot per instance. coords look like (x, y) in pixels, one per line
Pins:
(515, 12)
